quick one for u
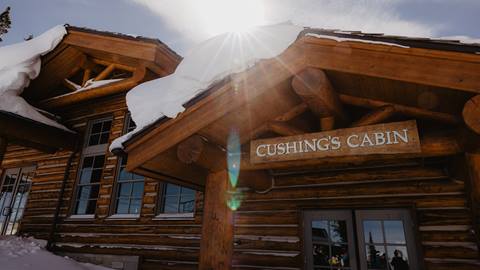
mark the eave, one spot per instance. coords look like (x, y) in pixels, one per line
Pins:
(453, 70)
(23, 131)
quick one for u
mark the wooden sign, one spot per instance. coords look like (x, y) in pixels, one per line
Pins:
(390, 138)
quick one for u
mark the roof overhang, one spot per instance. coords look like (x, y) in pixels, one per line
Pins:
(23, 131)
(437, 69)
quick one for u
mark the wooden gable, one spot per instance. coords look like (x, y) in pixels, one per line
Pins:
(367, 84)
(87, 56)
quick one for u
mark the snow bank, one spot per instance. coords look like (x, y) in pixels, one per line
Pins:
(19, 64)
(19, 253)
(204, 65)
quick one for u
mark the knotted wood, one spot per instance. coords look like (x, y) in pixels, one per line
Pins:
(471, 114)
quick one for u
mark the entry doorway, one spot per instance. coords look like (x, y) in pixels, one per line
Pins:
(359, 239)
(14, 190)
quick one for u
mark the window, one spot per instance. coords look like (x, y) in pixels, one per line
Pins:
(383, 240)
(129, 186)
(176, 199)
(90, 174)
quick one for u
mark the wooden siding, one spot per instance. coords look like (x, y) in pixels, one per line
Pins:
(160, 243)
(268, 227)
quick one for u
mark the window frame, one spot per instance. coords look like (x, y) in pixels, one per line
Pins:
(89, 151)
(387, 214)
(340, 214)
(355, 218)
(114, 196)
(160, 215)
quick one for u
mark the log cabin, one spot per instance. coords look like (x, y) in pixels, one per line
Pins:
(347, 151)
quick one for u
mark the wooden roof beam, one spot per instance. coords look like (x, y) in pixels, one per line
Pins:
(378, 115)
(423, 66)
(105, 73)
(402, 109)
(314, 88)
(197, 149)
(105, 90)
(471, 114)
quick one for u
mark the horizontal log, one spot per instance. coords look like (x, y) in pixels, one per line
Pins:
(101, 91)
(402, 109)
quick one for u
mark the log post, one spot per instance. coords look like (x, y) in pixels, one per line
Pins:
(216, 246)
(473, 163)
(314, 88)
(3, 148)
(471, 114)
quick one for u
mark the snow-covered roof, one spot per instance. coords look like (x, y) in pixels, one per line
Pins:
(217, 58)
(20, 63)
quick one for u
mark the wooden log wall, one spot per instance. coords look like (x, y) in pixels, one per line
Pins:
(162, 244)
(268, 227)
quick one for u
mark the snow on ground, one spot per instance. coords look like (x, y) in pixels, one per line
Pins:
(17, 253)
(21, 63)
(204, 65)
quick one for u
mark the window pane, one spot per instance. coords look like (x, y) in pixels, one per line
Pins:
(81, 207)
(394, 232)
(99, 161)
(93, 139)
(137, 190)
(171, 204)
(87, 162)
(172, 190)
(187, 204)
(91, 207)
(397, 257)
(340, 256)
(320, 231)
(321, 255)
(373, 231)
(96, 176)
(338, 231)
(188, 191)
(85, 176)
(122, 206)
(96, 128)
(124, 175)
(106, 126)
(94, 192)
(84, 193)
(125, 189)
(104, 138)
(135, 206)
(376, 257)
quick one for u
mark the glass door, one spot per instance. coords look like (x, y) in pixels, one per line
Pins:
(329, 240)
(14, 189)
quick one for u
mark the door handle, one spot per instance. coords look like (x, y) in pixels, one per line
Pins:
(7, 211)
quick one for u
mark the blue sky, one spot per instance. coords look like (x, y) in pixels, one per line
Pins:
(182, 23)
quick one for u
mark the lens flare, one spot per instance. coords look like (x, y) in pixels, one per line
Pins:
(234, 199)
(233, 157)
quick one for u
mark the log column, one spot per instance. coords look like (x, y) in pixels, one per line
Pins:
(216, 246)
(473, 163)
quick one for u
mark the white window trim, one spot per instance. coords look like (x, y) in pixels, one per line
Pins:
(123, 217)
(81, 217)
(175, 216)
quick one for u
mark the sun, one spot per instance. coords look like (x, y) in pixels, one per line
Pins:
(221, 16)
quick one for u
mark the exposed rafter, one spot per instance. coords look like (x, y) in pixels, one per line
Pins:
(402, 109)
(376, 116)
(315, 89)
